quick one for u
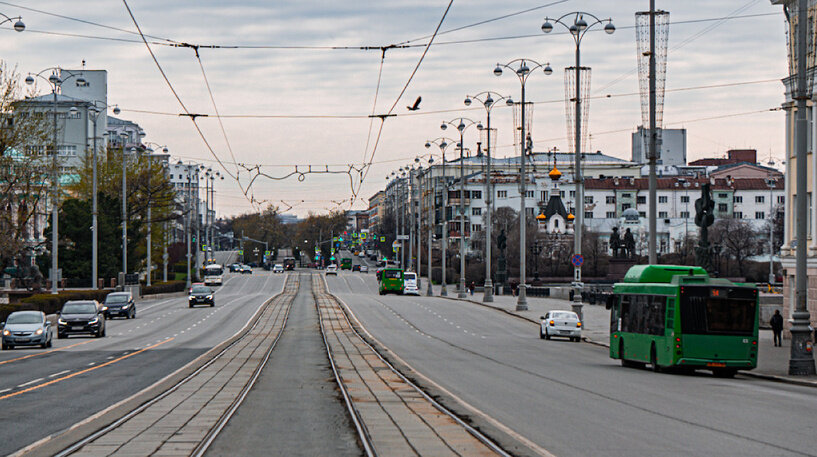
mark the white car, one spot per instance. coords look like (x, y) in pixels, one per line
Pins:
(361, 254)
(561, 323)
(410, 283)
(364, 269)
(332, 270)
(277, 268)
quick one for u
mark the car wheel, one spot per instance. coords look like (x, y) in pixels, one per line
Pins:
(547, 335)
(212, 304)
(189, 305)
(133, 314)
(9, 346)
(5, 346)
(50, 343)
(541, 333)
(60, 336)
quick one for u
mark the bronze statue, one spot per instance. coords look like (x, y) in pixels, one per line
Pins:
(615, 242)
(629, 244)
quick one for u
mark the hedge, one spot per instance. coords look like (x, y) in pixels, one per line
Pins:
(51, 303)
(164, 288)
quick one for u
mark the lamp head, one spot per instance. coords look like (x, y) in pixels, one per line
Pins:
(547, 27)
(430, 160)
(498, 70)
(29, 80)
(467, 101)
(55, 79)
(165, 150)
(116, 110)
(443, 126)
(574, 30)
(581, 24)
(428, 145)
(609, 28)
(73, 111)
(509, 101)
(81, 81)
(19, 26)
(548, 70)
(444, 144)
(479, 126)
(523, 69)
(416, 160)
(461, 127)
(94, 110)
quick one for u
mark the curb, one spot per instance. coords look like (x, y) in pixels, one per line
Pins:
(58, 441)
(781, 379)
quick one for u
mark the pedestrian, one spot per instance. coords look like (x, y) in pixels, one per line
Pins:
(777, 327)
(471, 288)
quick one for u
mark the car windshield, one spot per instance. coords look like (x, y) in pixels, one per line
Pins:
(410, 276)
(201, 290)
(392, 274)
(79, 308)
(25, 318)
(116, 298)
(564, 315)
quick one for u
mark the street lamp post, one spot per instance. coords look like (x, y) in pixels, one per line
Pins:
(461, 124)
(150, 215)
(488, 102)
(443, 144)
(578, 27)
(522, 72)
(55, 81)
(771, 182)
(430, 219)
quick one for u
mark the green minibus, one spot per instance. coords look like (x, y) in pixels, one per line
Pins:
(391, 280)
(678, 316)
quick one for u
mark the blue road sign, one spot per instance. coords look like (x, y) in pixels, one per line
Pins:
(577, 260)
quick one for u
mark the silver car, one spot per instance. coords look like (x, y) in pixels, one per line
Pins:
(561, 323)
(26, 328)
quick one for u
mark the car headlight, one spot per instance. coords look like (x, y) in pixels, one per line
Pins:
(61, 322)
(6, 332)
(209, 297)
(94, 320)
(39, 331)
(125, 306)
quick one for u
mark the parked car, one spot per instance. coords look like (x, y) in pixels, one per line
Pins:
(26, 328)
(561, 323)
(246, 270)
(364, 269)
(201, 294)
(81, 317)
(332, 270)
(120, 304)
(278, 268)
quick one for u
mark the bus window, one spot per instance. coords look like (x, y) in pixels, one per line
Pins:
(643, 314)
(726, 316)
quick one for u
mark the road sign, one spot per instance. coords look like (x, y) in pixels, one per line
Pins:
(266, 253)
(382, 239)
(577, 260)
(403, 237)
(334, 238)
(240, 252)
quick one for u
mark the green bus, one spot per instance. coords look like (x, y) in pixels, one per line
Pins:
(677, 316)
(346, 263)
(392, 280)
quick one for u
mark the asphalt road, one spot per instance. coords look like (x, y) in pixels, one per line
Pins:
(43, 391)
(294, 397)
(570, 398)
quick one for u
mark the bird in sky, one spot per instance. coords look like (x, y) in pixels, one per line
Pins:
(416, 105)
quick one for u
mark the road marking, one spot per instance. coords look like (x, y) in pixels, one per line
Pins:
(44, 352)
(92, 364)
(57, 374)
(31, 382)
(4, 391)
(87, 370)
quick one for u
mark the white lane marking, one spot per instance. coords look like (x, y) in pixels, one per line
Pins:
(110, 357)
(57, 374)
(31, 382)
(4, 391)
(92, 364)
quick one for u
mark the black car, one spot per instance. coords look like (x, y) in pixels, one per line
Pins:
(235, 268)
(81, 317)
(120, 304)
(201, 295)
(355, 267)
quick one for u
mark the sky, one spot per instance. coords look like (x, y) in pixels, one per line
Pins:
(286, 100)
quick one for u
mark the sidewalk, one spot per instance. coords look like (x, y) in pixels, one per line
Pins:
(773, 362)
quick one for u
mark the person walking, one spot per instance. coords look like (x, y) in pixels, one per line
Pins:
(471, 287)
(777, 327)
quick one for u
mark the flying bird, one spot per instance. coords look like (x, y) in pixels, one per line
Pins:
(416, 105)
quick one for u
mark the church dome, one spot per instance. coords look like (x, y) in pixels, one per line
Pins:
(555, 174)
(570, 217)
(630, 214)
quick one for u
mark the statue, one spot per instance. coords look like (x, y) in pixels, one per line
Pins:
(501, 264)
(501, 240)
(629, 244)
(704, 217)
(615, 242)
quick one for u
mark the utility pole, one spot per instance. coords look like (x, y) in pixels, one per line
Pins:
(653, 182)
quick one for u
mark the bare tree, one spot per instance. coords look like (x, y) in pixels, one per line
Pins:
(738, 240)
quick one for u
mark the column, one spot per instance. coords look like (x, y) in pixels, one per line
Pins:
(789, 209)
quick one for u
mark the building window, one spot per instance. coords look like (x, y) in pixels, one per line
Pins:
(737, 215)
(662, 214)
(476, 227)
(626, 195)
(781, 199)
(476, 211)
(562, 193)
(738, 199)
(572, 193)
(662, 199)
(723, 195)
(529, 194)
(611, 214)
(626, 206)
(640, 200)
(530, 211)
(684, 198)
(502, 194)
(476, 194)
(722, 207)
(611, 200)
(760, 199)
(588, 214)
(588, 200)
(544, 194)
(760, 215)
(685, 214)
(642, 214)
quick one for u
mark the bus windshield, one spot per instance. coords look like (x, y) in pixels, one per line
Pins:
(703, 315)
(213, 270)
(393, 274)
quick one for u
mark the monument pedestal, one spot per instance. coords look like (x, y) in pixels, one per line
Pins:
(618, 268)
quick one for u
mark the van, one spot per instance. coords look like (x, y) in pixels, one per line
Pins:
(410, 283)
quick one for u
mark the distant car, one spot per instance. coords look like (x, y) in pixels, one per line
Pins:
(410, 283)
(235, 268)
(561, 323)
(332, 270)
(246, 270)
(364, 269)
(81, 316)
(26, 328)
(355, 267)
(278, 268)
(362, 255)
(201, 294)
(120, 304)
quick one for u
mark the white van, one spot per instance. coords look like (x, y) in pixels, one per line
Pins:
(410, 283)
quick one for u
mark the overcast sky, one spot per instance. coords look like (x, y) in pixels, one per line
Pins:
(330, 83)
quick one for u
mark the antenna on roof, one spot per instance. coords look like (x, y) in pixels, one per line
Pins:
(83, 64)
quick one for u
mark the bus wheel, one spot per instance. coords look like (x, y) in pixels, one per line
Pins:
(654, 360)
